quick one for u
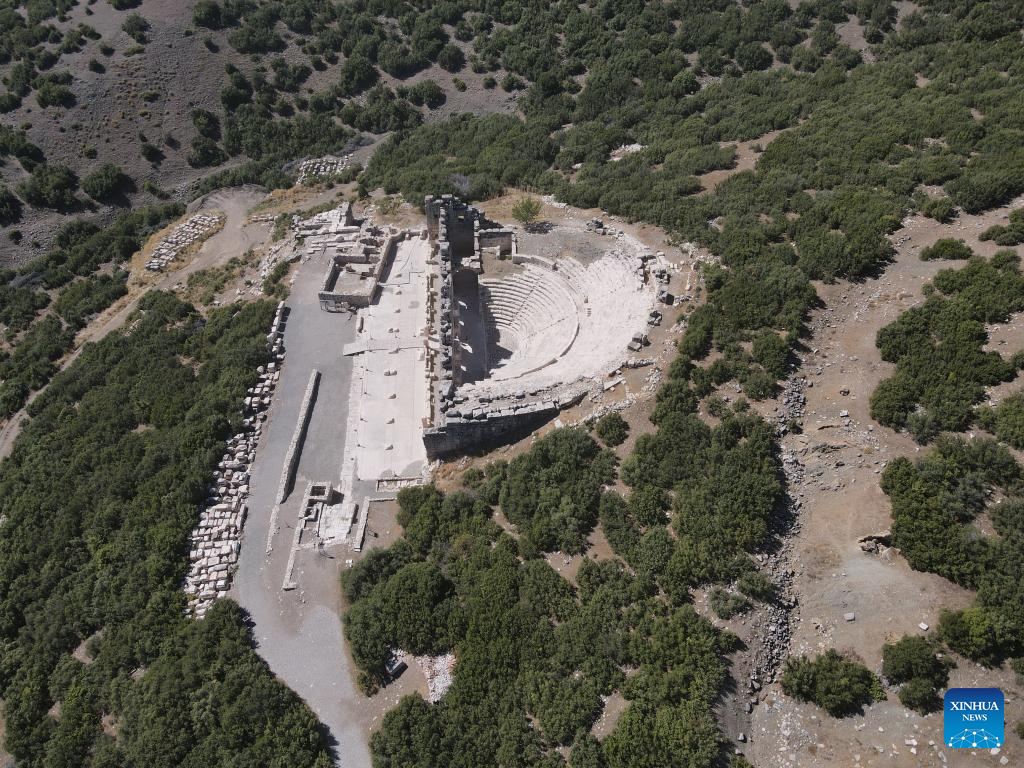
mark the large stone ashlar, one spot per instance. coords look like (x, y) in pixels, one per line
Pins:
(181, 237)
(216, 540)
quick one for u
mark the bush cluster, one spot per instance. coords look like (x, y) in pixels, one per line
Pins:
(935, 502)
(535, 653)
(838, 685)
(79, 494)
(942, 368)
(916, 664)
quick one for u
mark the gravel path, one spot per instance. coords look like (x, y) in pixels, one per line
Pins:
(299, 632)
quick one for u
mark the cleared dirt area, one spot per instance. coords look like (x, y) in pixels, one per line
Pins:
(747, 153)
(839, 456)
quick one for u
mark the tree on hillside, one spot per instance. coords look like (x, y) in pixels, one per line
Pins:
(526, 211)
(104, 182)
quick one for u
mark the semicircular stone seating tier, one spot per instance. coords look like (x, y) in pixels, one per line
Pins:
(555, 322)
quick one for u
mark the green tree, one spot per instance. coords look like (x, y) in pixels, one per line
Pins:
(526, 210)
(837, 685)
(50, 186)
(612, 429)
(915, 662)
(946, 248)
(105, 182)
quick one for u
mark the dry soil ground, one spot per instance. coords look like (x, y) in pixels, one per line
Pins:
(149, 96)
(841, 458)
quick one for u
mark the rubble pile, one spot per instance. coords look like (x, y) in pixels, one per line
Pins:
(792, 403)
(774, 630)
(216, 541)
(439, 672)
(181, 237)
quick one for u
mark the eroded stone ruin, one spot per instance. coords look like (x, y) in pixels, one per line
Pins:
(217, 539)
(357, 254)
(507, 354)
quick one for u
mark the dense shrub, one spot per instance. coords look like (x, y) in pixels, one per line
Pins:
(205, 153)
(105, 182)
(934, 503)
(552, 492)
(914, 663)
(53, 91)
(136, 27)
(206, 123)
(946, 248)
(451, 58)
(50, 186)
(839, 686)
(136, 485)
(1008, 235)
(209, 14)
(727, 604)
(508, 609)
(10, 207)
(1006, 420)
(612, 429)
(942, 368)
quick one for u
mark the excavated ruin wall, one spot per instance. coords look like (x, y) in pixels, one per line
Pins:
(459, 233)
(362, 298)
(460, 437)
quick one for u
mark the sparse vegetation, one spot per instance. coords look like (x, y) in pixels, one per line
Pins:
(727, 604)
(203, 286)
(1007, 235)
(136, 27)
(273, 285)
(526, 211)
(282, 226)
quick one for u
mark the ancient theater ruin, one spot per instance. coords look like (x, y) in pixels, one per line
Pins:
(463, 341)
(508, 352)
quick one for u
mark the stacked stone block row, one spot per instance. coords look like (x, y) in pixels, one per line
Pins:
(180, 238)
(216, 541)
(318, 168)
(291, 462)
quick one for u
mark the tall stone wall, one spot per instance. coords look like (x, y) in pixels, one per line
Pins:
(459, 232)
(458, 436)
